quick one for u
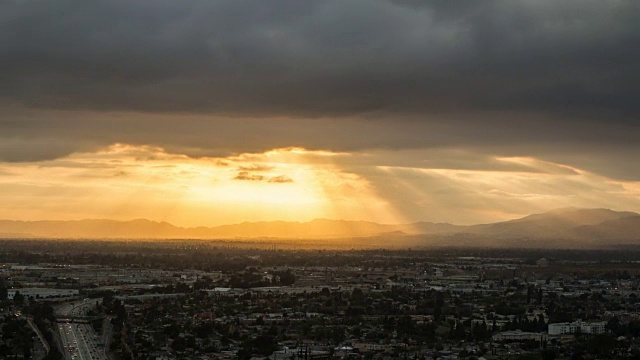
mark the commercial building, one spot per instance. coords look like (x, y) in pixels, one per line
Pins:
(519, 335)
(42, 293)
(577, 327)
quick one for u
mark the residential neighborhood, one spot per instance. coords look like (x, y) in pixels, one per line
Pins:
(285, 304)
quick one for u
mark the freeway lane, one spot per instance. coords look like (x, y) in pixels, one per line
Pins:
(79, 340)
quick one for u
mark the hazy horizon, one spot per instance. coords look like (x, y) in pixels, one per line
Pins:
(579, 228)
(310, 220)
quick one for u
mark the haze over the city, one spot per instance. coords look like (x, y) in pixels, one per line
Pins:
(205, 113)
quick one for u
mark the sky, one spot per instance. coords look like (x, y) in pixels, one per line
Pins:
(207, 112)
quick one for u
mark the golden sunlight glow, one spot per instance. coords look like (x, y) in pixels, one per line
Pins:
(482, 196)
(125, 182)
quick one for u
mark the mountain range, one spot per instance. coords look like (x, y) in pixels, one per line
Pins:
(594, 227)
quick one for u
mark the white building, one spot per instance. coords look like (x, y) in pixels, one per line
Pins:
(519, 335)
(42, 293)
(594, 328)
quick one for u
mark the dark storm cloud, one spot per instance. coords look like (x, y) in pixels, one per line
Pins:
(321, 58)
(212, 78)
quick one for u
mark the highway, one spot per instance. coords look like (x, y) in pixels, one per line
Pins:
(79, 340)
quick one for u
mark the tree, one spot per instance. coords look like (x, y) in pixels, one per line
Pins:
(262, 345)
(3, 292)
(548, 354)
(614, 325)
(357, 295)
(542, 325)
(18, 298)
(602, 345)
(438, 309)
(540, 296)
(286, 277)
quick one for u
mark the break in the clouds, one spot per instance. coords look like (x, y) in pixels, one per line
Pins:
(414, 85)
(126, 182)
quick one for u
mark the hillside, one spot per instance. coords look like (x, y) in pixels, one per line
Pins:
(560, 223)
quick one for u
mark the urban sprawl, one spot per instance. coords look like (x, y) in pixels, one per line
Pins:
(197, 300)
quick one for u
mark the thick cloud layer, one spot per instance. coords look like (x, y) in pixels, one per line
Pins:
(203, 77)
(321, 58)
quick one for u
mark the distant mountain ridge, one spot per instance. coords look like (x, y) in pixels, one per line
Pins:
(574, 224)
(559, 223)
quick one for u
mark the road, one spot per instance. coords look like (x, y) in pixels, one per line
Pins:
(80, 341)
(41, 347)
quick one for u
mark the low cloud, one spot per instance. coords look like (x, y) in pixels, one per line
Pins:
(255, 167)
(280, 179)
(120, 173)
(245, 175)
